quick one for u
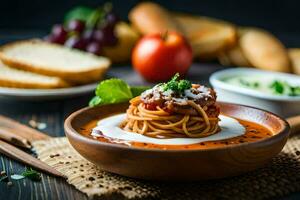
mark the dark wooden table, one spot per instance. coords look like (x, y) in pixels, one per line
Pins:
(53, 114)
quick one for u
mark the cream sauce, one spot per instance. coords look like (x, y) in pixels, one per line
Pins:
(109, 127)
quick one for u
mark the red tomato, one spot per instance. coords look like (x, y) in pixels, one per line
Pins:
(158, 58)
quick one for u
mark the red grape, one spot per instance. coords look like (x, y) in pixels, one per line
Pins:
(110, 38)
(76, 25)
(105, 36)
(88, 35)
(76, 42)
(58, 34)
(58, 29)
(111, 18)
(94, 48)
(54, 39)
(99, 36)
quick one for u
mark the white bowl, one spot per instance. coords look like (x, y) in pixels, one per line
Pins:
(285, 106)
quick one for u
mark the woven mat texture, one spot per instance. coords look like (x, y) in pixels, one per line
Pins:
(279, 178)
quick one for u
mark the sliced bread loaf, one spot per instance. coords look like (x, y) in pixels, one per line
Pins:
(54, 60)
(10, 77)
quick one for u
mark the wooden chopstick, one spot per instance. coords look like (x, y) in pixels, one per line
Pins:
(13, 129)
(9, 135)
(23, 131)
(27, 159)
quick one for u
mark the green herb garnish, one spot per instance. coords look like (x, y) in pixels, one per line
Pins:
(282, 87)
(115, 91)
(249, 84)
(278, 87)
(177, 85)
(32, 174)
(256, 84)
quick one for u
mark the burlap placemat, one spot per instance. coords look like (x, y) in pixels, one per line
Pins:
(279, 178)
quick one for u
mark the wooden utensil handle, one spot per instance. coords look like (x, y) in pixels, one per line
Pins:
(9, 135)
(23, 131)
(294, 123)
(27, 159)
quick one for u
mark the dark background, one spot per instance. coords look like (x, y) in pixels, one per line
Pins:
(21, 19)
(35, 17)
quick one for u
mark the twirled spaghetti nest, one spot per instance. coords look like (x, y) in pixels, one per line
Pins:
(162, 124)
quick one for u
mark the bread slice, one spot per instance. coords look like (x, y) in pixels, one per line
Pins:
(10, 77)
(54, 60)
(207, 36)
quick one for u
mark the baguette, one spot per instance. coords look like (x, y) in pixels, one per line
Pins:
(207, 36)
(149, 18)
(54, 60)
(294, 55)
(235, 56)
(263, 50)
(10, 77)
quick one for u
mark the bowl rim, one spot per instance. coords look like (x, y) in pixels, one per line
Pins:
(71, 132)
(216, 81)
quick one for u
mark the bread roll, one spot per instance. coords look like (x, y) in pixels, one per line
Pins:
(235, 56)
(207, 36)
(148, 18)
(264, 51)
(294, 55)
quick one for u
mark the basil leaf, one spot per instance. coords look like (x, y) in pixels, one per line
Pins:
(113, 91)
(80, 13)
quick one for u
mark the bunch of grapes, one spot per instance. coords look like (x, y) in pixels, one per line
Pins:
(76, 34)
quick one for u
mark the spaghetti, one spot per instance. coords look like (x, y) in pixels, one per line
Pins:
(165, 113)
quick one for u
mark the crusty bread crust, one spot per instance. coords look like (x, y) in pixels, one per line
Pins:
(28, 85)
(79, 77)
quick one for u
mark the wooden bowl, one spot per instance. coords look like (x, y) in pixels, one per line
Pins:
(156, 164)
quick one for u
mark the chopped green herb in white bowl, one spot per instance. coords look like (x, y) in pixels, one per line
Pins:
(273, 91)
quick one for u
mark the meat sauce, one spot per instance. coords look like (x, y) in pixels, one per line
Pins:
(173, 102)
(254, 132)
